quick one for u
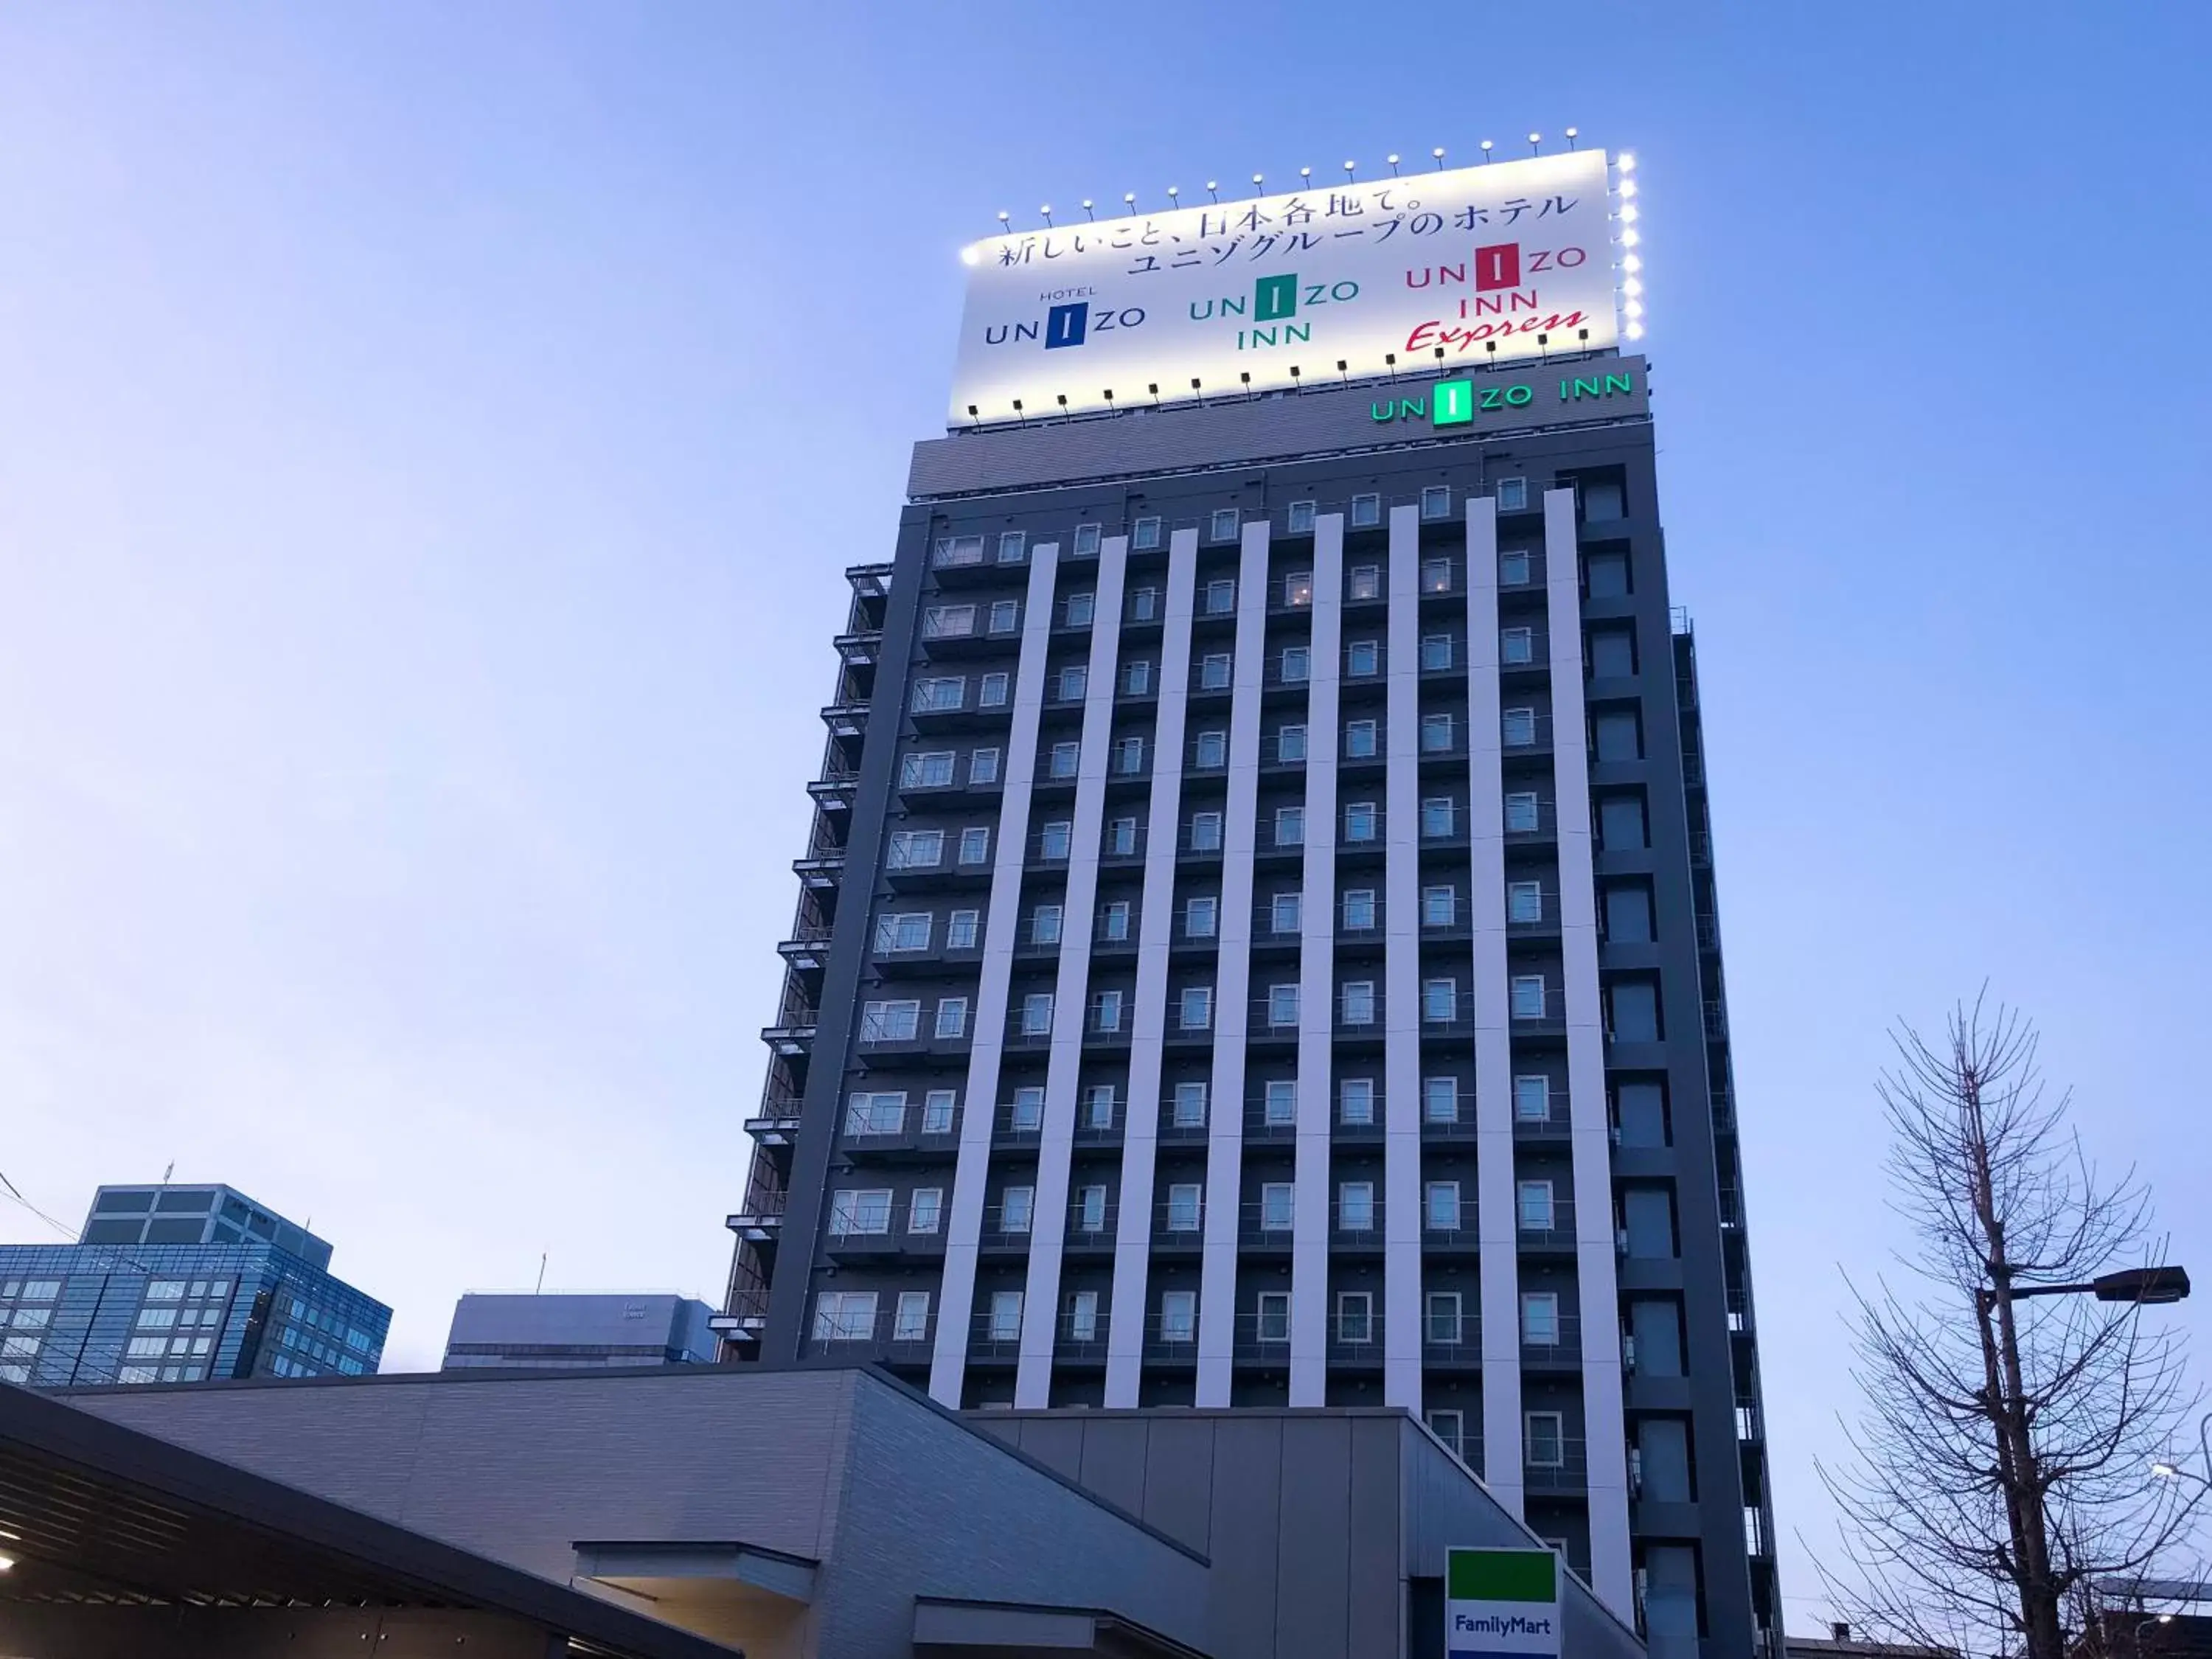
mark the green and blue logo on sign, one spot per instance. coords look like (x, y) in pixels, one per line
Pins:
(1501, 1601)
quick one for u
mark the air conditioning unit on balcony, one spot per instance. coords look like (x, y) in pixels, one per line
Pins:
(1620, 1241)
(1635, 1472)
(1628, 1353)
(1612, 1134)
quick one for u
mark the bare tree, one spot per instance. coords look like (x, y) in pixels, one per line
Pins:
(2001, 1466)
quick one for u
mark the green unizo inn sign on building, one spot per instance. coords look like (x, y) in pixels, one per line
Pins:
(1501, 1601)
(1457, 403)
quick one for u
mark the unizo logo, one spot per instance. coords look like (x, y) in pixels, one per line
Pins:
(1066, 324)
(1275, 299)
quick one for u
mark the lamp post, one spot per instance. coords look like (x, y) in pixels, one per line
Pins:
(2004, 1390)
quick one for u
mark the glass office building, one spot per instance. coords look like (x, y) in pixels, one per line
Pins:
(181, 1284)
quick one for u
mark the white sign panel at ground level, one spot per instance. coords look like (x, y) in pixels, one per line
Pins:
(1485, 263)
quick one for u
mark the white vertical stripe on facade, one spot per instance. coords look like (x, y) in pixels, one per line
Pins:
(1493, 1041)
(1071, 992)
(963, 1231)
(1604, 1428)
(1402, 974)
(1310, 1214)
(1232, 994)
(1133, 1234)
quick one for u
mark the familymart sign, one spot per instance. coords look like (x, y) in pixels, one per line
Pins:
(1501, 1601)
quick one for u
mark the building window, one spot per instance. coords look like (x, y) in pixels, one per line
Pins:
(1298, 589)
(1178, 1317)
(1360, 821)
(1524, 901)
(938, 693)
(1206, 832)
(1074, 679)
(1222, 525)
(994, 691)
(1439, 1100)
(1277, 1206)
(1438, 818)
(1099, 1106)
(1543, 1434)
(1440, 1201)
(1364, 581)
(1540, 1318)
(1145, 534)
(1144, 605)
(1055, 839)
(1214, 670)
(1436, 576)
(937, 1109)
(1013, 546)
(844, 1315)
(983, 766)
(1083, 1312)
(1284, 913)
(911, 1321)
(1137, 678)
(1113, 921)
(915, 849)
(1527, 996)
(1366, 512)
(1436, 502)
(1444, 1317)
(1435, 734)
(1210, 750)
(907, 931)
(1036, 1014)
(1513, 568)
(1190, 1105)
(889, 1022)
(1282, 1006)
(1439, 907)
(1289, 744)
(1106, 1011)
(1355, 1207)
(1280, 1104)
(1086, 541)
(1199, 916)
(1290, 826)
(1185, 1206)
(1533, 1199)
(954, 551)
(1080, 609)
(1516, 647)
(1129, 756)
(1358, 910)
(1297, 664)
(1358, 1002)
(1017, 1208)
(1195, 1011)
(1522, 815)
(1220, 596)
(1025, 1115)
(1271, 1320)
(1355, 1100)
(952, 1017)
(1436, 651)
(1006, 1317)
(1532, 1099)
(1355, 1316)
(976, 844)
(1005, 616)
(864, 1211)
(1121, 837)
(961, 928)
(926, 1210)
(1359, 740)
(1301, 518)
(948, 621)
(1518, 727)
(1512, 494)
(1440, 1002)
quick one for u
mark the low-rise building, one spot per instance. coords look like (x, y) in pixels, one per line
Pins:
(567, 1332)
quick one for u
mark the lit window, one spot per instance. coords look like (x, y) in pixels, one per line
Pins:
(1297, 664)
(1044, 925)
(1277, 1206)
(1441, 1206)
(1436, 575)
(1358, 910)
(1360, 821)
(889, 1022)
(1086, 541)
(1512, 494)
(1145, 534)
(1366, 512)
(1521, 813)
(1190, 1105)
(1364, 581)
(1532, 1099)
(1199, 917)
(926, 1212)
(1222, 526)
(1524, 901)
(1036, 1014)
(976, 844)
(1214, 670)
(1290, 743)
(1516, 647)
(1359, 740)
(1290, 826)
(1282, 1006)
(993, 694)
(961, 928)
(1013, 546)
(1301, 519)
(1532, 1201)
(1298, 588)
(1435, 734)
(1055, 840)
(1358, 1002)
(1206, 832)
(1436, 651)
(1440, 1000)
(1081, 608)
(1527, 996)
(1196, 1010)
(1355, 1100)
(1436, 502)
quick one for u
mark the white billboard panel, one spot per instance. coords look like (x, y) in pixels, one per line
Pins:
(1477, 258)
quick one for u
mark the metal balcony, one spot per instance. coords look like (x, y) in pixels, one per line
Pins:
(756, 1226)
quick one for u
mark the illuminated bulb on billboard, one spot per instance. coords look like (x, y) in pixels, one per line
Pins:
(1626, 163)
(1634, 307)
(1631, 262)
(1627, 188)
(1634, 331)
(968, 256)
(1629, 238)
(1633, 286)
(1629, 215)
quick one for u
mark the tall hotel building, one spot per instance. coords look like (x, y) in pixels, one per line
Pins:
(1258, 947)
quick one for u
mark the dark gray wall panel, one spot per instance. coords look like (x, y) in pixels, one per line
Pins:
(1312, 1591)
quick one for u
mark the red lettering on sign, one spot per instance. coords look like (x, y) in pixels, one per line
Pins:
(1498, 266)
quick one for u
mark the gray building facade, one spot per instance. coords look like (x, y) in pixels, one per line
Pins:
(1258, 948)
(181, 1284)
(567, 1330)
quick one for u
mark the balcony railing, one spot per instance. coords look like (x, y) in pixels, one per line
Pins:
(1559, 1464)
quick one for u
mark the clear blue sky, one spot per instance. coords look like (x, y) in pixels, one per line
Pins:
(431, 437)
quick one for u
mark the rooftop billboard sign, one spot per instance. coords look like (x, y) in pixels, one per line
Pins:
(1479, 265)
